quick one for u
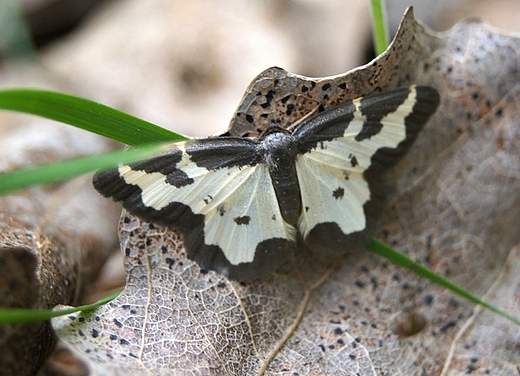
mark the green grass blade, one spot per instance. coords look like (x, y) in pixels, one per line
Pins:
(392, 255)
(85, 114)
(380, 26)
(20, 315)
(63, 170)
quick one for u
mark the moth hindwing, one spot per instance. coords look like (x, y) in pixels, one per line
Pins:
(243, 205)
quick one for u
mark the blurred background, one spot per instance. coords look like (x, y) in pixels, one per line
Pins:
(185, 64)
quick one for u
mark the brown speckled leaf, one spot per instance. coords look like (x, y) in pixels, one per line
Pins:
(454, 207)
(283, 98)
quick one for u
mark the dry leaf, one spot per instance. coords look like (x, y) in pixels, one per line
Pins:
(453, 207)
(51, 243)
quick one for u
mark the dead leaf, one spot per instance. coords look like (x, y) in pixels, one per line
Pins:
(51, 247)
(454, 207)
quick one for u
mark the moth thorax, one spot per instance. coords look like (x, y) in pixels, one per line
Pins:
(280, 150)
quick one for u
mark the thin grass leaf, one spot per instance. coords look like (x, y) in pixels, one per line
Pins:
(85, 114)
(380, 248)
(380, 26)
(20, 315)
(64, 170)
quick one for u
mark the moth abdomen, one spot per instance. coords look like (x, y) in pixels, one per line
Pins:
(280, 150)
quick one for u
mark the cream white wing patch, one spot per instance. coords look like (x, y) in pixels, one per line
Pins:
(243, 205)
(234, 219)
(330, 194)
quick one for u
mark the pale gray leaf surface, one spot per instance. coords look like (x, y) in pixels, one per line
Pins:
(454, 207)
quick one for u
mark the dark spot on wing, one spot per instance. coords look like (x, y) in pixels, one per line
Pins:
(165, 164)
(306, 209)
(325, 87)
(353, 161)
(221, 211)
(346, 174)
(304, 89)
(179, 179)
(273, 217)
(338, 193)
(244, 220)
(207, 199)
(249, 118)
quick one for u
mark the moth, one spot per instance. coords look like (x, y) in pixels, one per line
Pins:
(244, 205)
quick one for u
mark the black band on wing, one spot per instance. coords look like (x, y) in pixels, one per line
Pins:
(426, 102)
(325, 126)
(215, 153)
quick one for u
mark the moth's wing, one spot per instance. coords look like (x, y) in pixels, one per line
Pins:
(217, 192)
(340, 144)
